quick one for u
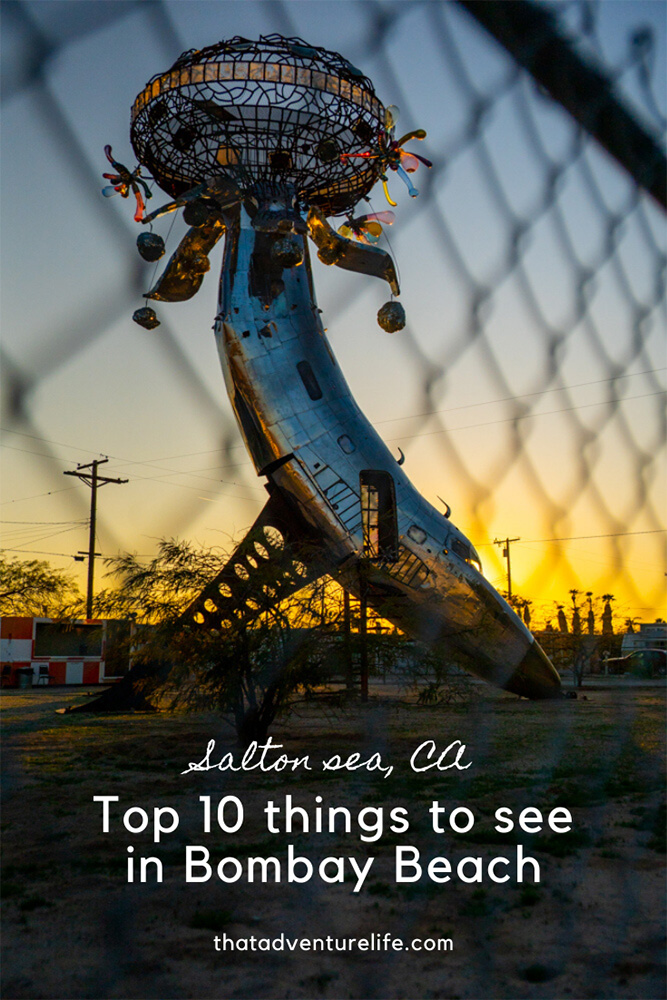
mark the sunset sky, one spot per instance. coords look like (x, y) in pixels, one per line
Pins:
(515, 422)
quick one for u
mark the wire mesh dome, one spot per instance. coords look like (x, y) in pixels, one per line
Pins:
(274, 114)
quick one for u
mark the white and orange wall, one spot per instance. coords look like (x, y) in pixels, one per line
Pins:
(17, 652)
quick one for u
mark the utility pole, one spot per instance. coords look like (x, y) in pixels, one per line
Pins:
(94, 481)
(363, 636)
(506, 542)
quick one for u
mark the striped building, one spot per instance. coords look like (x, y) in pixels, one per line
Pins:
(39, 651)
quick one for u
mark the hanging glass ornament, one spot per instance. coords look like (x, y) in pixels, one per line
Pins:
(391, 317)
(390, 155)
(195, 213)
(124, 181)
(150, 246)
(366, 228)
(146, 317)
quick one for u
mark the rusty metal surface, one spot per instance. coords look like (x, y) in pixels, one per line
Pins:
(184, 273)
(348, 254)
(275, 559)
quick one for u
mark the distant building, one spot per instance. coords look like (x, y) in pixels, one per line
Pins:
(651, 635)
(39, 651)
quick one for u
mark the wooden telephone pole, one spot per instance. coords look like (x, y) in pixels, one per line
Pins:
(94, 481)
(506, 542)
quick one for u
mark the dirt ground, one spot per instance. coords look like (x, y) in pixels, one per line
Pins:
(593, 926)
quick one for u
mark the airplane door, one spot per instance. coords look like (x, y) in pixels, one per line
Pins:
(378, 515)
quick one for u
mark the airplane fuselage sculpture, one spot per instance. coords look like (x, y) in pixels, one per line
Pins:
(261, 142)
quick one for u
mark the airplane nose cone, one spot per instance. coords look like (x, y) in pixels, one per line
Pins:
(535, 677)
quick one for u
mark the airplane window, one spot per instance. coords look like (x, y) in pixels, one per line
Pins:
(347, 444)
(417, 534)
(475, 560)
(461, 548)
(466, 551)
(309, 380)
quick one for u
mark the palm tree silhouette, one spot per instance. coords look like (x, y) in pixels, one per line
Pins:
(576, 617)
(607, 626)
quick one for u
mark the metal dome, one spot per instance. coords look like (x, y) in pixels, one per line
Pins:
(271, 115)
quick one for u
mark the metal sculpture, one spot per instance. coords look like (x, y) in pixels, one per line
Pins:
(263, 141)
(122, 182)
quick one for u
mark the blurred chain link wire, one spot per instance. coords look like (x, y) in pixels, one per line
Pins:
(621, 268)
(602, 269)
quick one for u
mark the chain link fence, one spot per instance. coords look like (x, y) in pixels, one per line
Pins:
(528, 387)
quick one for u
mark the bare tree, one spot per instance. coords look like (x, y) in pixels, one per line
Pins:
(585, 657)
(33, 587)
(265, 656)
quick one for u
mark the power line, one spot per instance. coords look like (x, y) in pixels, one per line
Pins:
(40, 437)
(407, 437)
(23, 548)
(118, 458)
(389, 420)
(576, 538)
(524, 395)
(39, 552)
(41, 536)
(197, 475)
(37, 496)
(157, 479)
(151, 463)
(612, 534)
(80, 521)
(524, 416)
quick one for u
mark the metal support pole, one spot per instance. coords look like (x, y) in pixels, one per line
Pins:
(349, 673)
(363, 639)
